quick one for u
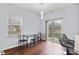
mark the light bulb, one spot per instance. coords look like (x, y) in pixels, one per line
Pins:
(42, 14)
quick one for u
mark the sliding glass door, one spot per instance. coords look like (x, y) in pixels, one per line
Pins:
(54, 30)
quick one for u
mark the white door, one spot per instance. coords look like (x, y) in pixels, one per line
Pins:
(54, 30)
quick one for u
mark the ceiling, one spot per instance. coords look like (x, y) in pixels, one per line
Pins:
(46, 7)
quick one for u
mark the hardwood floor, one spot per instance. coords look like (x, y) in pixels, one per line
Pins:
(43, 48)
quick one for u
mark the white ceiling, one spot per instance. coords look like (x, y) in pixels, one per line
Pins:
(46, 7)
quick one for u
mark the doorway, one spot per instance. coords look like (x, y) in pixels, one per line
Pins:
(54, 30)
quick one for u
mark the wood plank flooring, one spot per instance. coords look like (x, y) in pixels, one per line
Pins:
(43, 48)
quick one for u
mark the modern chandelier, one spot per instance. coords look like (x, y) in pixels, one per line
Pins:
(42, 11)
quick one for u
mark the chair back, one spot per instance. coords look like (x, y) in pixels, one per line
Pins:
(22, 37)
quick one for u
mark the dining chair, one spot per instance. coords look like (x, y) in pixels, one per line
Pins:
(23, 40)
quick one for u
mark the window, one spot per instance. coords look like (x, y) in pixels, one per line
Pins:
(55, 28)
(14, 25)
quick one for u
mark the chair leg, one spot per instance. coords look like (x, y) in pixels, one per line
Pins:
(19, 44)
(34, 44)
(68, 52)
(27, 44)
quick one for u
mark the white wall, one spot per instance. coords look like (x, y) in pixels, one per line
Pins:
(31, 24)
(70, 19)
(78, 17)
(42, 29)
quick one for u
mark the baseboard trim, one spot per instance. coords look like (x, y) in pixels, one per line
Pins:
(10, 47)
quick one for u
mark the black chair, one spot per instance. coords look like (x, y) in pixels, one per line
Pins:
(68, 44)
(36, 39)
(32, 42)
(23, 41)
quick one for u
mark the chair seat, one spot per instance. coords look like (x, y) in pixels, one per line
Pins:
(33, 40)
(22, 40)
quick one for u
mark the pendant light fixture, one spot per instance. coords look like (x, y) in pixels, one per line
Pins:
(41, 12)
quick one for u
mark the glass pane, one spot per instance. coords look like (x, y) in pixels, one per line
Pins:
(14, 29)
(54, 30)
